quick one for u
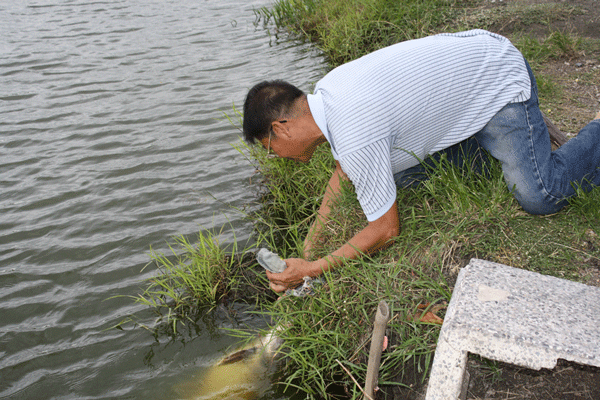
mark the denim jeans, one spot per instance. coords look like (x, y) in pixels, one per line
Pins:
(540, 179)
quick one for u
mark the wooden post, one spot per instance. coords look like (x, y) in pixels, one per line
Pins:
(381, 319)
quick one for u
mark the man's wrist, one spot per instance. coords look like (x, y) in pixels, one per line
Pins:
(325, 263)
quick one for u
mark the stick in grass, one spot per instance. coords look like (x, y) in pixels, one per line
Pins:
(353, 380)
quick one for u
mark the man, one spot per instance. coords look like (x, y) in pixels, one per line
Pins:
(385, 112)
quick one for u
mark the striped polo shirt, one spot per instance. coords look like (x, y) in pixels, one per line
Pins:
(387, 110)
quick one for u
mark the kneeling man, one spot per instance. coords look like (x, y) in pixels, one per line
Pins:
(387, 111)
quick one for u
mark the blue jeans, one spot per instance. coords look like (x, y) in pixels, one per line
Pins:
(540, 179)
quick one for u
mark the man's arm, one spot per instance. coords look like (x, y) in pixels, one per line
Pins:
(331, 192)
(376, 235)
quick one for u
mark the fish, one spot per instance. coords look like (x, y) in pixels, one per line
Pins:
(246, 373)
(242, 374)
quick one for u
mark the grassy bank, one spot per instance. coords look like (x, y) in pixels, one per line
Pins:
(456, 215)
(345, 30)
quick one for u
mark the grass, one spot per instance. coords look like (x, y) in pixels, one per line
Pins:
(345, 30)
(333, 326)
(194, 277)
(290, 197)
(457, 214)
(556, 45)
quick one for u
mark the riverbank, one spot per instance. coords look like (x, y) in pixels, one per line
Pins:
(457, 215)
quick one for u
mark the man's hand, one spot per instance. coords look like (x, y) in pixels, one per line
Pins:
(378, 234)
(293, 276)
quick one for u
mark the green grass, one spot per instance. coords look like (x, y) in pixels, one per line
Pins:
(193, 277)
(196, 277)
(457, 214)
(332, 326)
(555, 45)
(345, 30)
(291, 195)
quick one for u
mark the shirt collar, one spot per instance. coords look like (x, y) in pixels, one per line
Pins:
(317, 109)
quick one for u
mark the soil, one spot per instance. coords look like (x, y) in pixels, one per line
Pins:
(567, 381)
(492, 380)
(578, 77)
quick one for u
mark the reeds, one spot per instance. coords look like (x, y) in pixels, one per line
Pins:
(192, 277)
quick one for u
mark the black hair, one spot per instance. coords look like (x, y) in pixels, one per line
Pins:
(266, 102)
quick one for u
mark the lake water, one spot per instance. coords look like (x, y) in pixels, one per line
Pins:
(112, 140)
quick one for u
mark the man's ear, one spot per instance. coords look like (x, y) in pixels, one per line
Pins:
(281, 130)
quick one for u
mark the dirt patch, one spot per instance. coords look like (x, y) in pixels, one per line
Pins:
(573, 81)
(579, 16)
(491, 380)
(567, 381)
(578, 81)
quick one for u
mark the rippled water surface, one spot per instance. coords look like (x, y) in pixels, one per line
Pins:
(112, 140)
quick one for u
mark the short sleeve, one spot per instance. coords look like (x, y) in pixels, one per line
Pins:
(370, 171)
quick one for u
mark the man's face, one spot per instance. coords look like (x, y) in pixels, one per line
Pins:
(285, 144)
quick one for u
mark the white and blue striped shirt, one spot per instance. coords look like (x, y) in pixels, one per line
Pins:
(387, 110)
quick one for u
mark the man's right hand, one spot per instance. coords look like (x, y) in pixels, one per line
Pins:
(293, 276)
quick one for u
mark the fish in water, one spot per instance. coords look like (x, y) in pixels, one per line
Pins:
(245, 373)
(242, 374)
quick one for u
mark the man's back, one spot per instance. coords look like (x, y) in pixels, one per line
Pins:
(386, 111)
(441, 88)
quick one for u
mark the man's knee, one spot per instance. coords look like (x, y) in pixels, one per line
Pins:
(539, 203)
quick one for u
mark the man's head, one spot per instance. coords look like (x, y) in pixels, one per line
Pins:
(265, 103)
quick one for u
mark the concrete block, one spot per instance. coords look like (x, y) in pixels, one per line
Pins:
(515, 316)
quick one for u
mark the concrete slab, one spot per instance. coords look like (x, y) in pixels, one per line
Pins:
(515, 316)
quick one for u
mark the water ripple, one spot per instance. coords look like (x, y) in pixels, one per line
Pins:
(113, 140)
